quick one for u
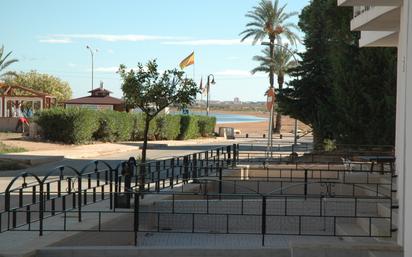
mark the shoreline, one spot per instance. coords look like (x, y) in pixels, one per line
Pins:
(258, 128)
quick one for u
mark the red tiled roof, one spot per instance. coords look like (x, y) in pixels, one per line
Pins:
(95, 100)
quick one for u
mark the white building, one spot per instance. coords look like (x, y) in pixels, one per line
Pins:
(388, 23)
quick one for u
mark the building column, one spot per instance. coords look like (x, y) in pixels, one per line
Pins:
(404, 129)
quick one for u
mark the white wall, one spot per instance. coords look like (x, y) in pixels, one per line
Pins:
(404, 129)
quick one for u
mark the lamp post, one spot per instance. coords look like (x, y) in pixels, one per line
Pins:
(296, 121)
(208, 90)
(92, 51)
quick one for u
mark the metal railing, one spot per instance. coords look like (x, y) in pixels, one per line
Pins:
(65, 188)
(287, 199)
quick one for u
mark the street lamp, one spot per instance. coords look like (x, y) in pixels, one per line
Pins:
(296, 121)
(208, 90)
(92, 51)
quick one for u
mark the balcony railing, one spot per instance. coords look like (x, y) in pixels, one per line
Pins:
(358, 10)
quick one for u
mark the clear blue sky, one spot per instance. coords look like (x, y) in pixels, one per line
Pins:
(50, 36)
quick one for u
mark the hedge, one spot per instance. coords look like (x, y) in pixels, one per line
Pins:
(114, 126)
(206, 125)
(78, 126)
(138, 127)
(71, 126)
(167, 127)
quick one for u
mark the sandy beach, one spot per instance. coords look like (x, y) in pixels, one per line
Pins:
(257, 129)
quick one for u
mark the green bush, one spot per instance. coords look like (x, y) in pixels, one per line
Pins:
(72, 126)
(78, 126)
(167, 127)
(138, 127)
(206, 125)
(114, 126)
(189, 127)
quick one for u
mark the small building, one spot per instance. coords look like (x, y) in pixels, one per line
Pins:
(18, 101)
(99, 99)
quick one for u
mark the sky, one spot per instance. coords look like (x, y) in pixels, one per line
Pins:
(50, 36)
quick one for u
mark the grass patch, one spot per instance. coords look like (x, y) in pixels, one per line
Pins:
(10, 149)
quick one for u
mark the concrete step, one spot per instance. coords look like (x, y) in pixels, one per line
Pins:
(386, 254)
(378, 227)
(349, 229)
(385, 211)
(359, 248)
(129, 251)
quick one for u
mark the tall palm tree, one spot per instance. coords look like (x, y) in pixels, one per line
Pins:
(4, 63)
(282, 61)
(270, 20)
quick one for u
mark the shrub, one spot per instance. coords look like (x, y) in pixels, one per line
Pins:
(114, 126)
(206, 125)
(72, 126)
(138, 127)
(167, 127)
(189, 127)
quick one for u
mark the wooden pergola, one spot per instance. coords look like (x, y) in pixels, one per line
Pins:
(12, 95)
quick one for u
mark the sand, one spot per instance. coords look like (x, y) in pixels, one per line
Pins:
(257, 129)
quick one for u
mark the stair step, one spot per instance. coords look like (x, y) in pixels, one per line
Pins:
(385, 254)
(349, 229)
(378, 227)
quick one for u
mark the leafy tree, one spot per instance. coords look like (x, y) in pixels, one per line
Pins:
(42, 82)
(270, 20)
(4, 63)
(282, 61)
(147, 89)
(343, 92)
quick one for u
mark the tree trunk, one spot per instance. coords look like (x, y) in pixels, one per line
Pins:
(278, 126)
(146, 131)
(272, 75)
(317, 140)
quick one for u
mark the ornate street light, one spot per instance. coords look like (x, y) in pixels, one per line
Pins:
(208, 90)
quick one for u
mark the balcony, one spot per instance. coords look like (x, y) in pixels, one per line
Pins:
(379, 39)
(376, 18)
(370, 2)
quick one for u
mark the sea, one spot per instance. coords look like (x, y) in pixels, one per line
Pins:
(223, 118)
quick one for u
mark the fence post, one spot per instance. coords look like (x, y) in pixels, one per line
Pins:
(306, 183)
(142, 173)
(220, 180)
(229, 157)
(263, 219)
(111, 188)
(185, 169)
(194, 167)
(136, 216)
(218, 157)
(207, 163)
(234, 156)
(79, 197)
(172, 166)
(157, 176)
(41, 210)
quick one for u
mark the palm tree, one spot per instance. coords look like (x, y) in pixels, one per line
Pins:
(270, 20)
(282, 61)
(4, 63)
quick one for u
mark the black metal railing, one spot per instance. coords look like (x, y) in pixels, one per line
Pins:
(65, 188)
(216, 195)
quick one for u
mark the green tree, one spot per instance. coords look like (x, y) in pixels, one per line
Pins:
(343, 92)
(4, 63)
(270, 20)
(282, 61)
(147, 89)
(42, 82)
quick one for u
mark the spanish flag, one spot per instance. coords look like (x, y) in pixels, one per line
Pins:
(188, 61)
